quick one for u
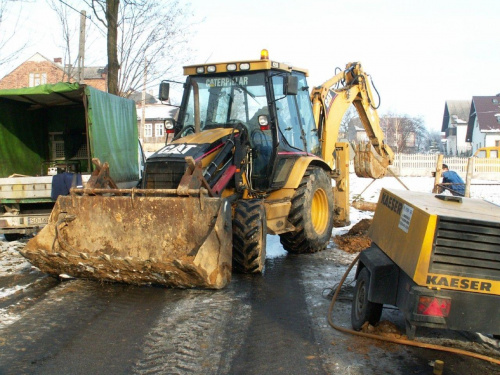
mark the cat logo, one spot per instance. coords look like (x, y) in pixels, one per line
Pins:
(176, 149)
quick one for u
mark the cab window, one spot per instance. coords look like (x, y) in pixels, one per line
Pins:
(306, 115)
(287, 112)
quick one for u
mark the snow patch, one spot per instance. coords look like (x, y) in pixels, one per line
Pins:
(11, 260)
(4, 292)
(7, 318)
(274, 248)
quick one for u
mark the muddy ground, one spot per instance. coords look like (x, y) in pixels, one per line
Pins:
(273, 324)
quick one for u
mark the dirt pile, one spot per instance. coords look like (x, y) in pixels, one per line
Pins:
(356, 239)
(384, 328)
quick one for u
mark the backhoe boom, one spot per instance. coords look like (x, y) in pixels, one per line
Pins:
(330, 102)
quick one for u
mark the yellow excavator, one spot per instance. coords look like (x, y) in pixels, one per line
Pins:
(253, 152)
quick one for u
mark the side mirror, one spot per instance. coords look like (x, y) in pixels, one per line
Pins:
(290, 85)
(164, 91)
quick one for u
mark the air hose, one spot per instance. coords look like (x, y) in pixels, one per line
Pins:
(394, 340)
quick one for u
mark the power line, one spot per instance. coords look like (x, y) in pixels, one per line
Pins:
(88, 17)
(71, 7)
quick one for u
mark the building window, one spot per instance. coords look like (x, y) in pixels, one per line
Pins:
(37, 79)
(148, 130)
(159, 130)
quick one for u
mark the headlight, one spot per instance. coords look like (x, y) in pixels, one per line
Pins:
(263, 122)
(200, 70)
(231, 67)
(244, 66)
(169, 125)
(211, 68)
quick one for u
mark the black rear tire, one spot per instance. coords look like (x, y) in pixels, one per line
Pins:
(13, 236)
(363, 310)
(311, 214)
(249, 236)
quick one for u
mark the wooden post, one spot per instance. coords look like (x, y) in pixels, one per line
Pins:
(143, 104)
(468, 177)
(437, 176)
(81, 47)
(400, 166)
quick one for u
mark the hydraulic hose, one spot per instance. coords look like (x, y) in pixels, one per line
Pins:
(394, 340)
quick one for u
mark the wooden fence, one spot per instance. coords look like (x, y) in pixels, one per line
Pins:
(422, 165)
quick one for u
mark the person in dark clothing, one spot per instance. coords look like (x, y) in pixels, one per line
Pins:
(457, 186)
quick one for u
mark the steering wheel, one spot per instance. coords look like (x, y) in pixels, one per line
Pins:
(189, 129)
(234, 120)
(237, 121)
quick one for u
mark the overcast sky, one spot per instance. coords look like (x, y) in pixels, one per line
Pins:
(419, 53)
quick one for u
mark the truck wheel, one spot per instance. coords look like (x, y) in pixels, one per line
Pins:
(13, 236)
(249, 236)
(311, 214)
(363, 310)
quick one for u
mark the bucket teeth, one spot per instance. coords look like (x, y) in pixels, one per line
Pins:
(189, 247)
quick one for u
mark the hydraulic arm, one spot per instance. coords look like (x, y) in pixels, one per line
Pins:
(330, 102)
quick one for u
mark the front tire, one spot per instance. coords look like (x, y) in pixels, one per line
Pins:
(249, 236)
(311, 214)
(363, 310)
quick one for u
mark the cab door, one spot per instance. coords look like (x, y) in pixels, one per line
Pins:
(296, 128)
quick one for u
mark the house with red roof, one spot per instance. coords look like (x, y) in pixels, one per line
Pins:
(39, 70)
(483, 129)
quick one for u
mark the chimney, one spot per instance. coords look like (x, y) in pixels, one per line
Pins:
(58, 60)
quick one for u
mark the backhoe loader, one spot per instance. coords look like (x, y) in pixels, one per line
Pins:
(253, 153)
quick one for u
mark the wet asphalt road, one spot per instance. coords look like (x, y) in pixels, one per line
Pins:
(270, 324)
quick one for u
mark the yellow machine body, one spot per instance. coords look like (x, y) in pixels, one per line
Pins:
(435, 257)
(442, 244)
(243, 163)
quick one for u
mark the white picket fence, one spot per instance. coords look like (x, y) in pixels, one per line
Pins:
(420, 165)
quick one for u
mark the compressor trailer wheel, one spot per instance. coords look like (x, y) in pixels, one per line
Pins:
(362, 309)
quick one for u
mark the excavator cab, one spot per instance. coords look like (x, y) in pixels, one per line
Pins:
(263, 104)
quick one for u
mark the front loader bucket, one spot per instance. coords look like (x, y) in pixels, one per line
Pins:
(368, 163)
(166, 239)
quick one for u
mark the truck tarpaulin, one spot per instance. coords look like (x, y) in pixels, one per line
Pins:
(26, 113)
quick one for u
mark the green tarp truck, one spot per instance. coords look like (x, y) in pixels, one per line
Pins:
(49, 130)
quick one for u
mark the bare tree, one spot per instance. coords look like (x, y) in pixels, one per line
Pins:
(142, 30)
(7, 35)
(106, 12)
(403, 133)
(421, 134)
(434, 143)
(68, 32)
(344, 123)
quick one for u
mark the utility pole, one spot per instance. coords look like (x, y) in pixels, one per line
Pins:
(143, 101)
(81, 48)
